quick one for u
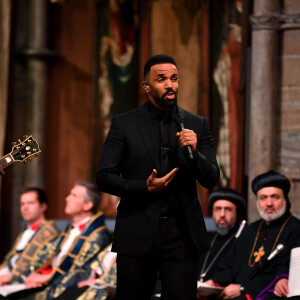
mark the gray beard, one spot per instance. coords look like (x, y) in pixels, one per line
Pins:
(223, 230)
(274, 216)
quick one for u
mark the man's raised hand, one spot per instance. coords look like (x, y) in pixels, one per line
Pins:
(155, 184)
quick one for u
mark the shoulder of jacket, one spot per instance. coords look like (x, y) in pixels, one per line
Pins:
(190, 115)
(129, 113)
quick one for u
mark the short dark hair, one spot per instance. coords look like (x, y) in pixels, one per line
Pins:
(92, 194)
(158, 59)
(41, 194)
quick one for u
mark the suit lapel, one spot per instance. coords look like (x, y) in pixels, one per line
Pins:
(147, 135)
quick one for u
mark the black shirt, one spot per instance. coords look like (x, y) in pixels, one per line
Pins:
(161, 125)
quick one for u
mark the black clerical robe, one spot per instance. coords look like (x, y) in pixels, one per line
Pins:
(257, 242)
(220, 246)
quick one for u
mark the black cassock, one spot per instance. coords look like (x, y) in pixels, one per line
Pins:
(246, 263)
(220, 246)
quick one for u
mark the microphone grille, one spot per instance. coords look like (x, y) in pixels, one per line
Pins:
(179, 118)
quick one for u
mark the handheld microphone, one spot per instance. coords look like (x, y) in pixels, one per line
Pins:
(179, 119)
(277, 250)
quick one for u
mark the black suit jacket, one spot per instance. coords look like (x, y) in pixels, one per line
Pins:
(128, 158)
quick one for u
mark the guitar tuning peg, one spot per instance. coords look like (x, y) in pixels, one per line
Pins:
(19, 141)
(23, 156)
(24, 161)
(25, 136)
(14, 144)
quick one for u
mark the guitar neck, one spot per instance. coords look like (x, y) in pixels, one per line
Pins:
(6, 161)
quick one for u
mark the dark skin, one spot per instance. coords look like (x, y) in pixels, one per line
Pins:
(161, 85)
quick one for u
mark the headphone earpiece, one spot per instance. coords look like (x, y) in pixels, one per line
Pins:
(145, 85)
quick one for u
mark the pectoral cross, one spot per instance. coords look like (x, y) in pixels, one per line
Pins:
(259, 254)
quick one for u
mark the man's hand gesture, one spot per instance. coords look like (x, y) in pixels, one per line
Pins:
(155, 184)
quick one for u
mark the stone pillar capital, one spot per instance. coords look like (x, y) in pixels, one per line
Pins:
(274, 21)
(266, 21)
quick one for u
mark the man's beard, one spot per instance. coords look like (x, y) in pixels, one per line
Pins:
(224, 230)
(274, 216)
(164, 102)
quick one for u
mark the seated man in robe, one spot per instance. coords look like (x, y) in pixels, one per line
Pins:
(285, 285)
(37, 233)
(76, 246)
(102, 281)
(228, 208)
(249, 266)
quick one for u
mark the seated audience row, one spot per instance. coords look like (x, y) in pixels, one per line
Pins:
(47, 262)
(247, 262)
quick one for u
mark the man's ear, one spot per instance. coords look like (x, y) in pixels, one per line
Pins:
(88, 205)
(44, 207)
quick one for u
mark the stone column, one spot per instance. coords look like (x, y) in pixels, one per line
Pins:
(264, 93)
(36, 93)
(37, 55)
(5, 10)
(5, 18)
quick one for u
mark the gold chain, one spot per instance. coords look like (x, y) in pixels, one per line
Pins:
(254, 245)
(256, 238)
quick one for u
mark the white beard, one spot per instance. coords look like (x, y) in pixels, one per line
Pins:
(274, 216)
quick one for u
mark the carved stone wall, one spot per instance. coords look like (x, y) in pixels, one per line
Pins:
(264, 93)
(289, 110)
(275, 117)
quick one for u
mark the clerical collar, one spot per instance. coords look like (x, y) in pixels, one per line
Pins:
(81, 224)
(156, 113)
(35, 226)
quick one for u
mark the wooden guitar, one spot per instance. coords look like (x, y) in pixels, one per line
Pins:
(20, 152)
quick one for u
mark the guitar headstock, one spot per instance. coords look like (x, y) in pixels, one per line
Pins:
(25, 149)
